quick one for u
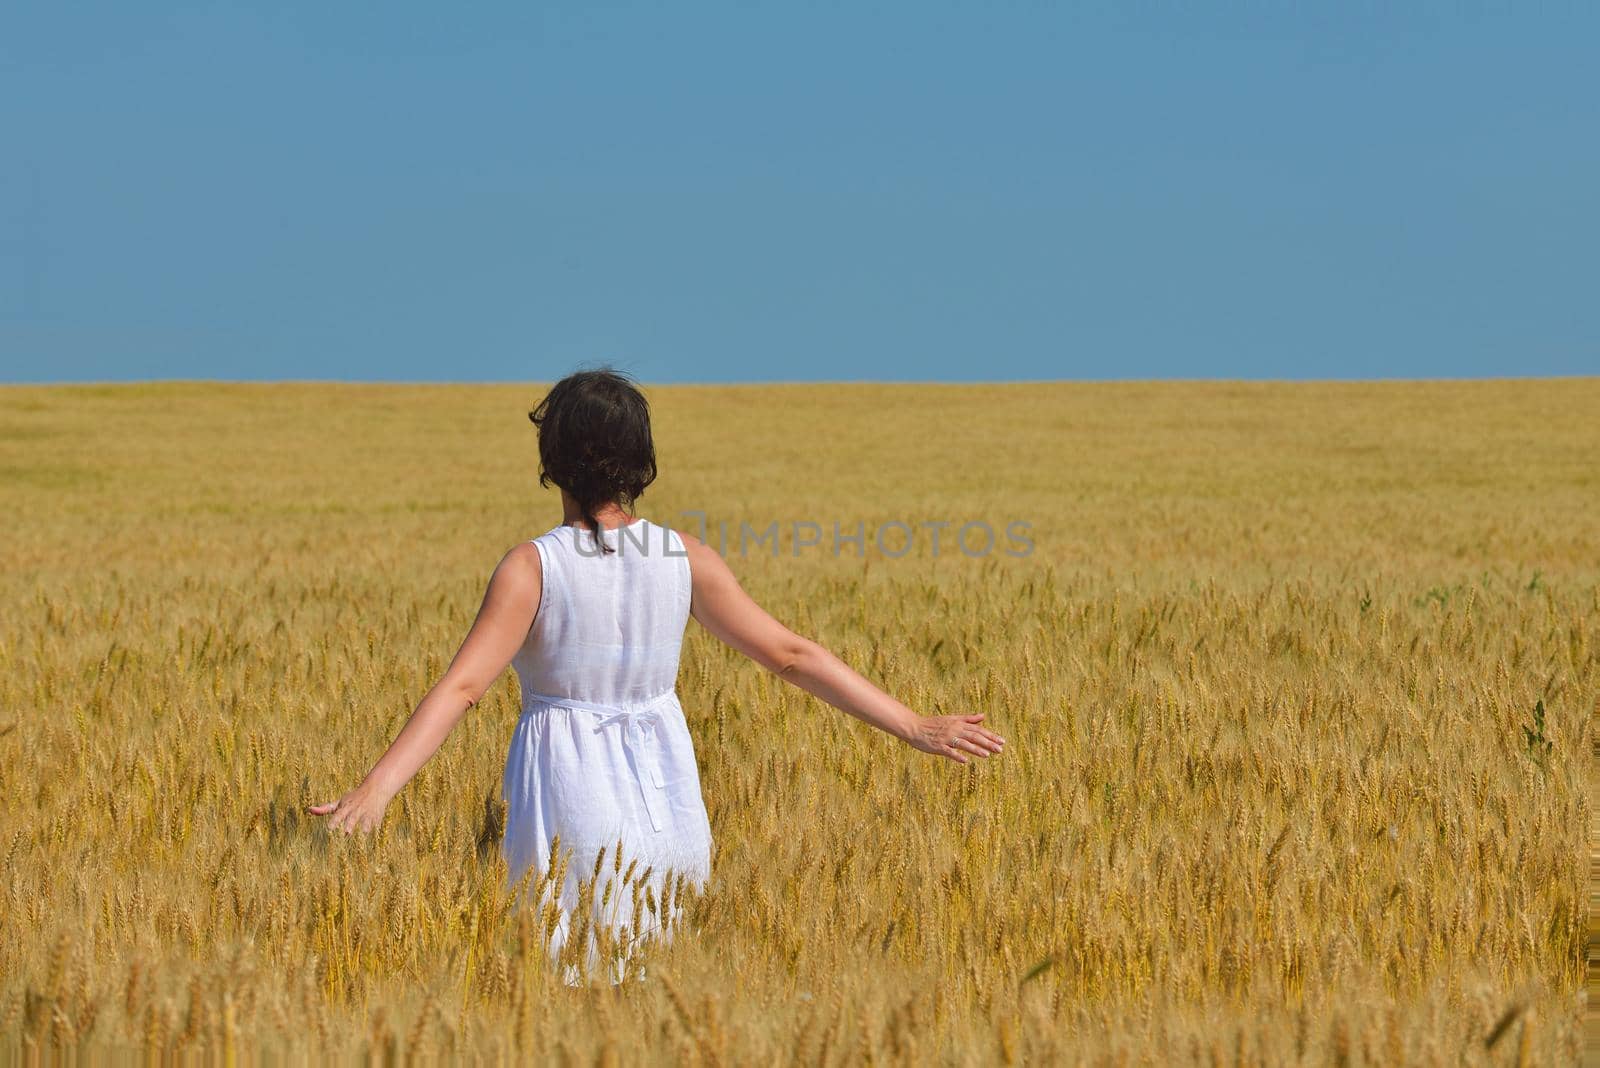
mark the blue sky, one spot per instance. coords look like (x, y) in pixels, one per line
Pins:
(781, 191)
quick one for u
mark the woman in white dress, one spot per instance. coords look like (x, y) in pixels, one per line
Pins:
(591, 616)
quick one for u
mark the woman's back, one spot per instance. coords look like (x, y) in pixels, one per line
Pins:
(601, 757)
(610, 626)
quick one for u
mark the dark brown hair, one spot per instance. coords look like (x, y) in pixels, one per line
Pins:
(594, 441)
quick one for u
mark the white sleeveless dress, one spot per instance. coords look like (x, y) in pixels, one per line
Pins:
(602, 752)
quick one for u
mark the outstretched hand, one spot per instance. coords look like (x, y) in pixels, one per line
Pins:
(955, 737)
(361, 808)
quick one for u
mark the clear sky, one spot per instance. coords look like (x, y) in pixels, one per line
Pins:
(798, 191)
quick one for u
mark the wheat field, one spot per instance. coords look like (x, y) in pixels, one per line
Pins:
(1296, 682)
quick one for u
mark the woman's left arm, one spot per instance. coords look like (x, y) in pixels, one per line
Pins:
(509, 606)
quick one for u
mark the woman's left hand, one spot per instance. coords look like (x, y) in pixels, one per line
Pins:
(957, 737)
(361, 808)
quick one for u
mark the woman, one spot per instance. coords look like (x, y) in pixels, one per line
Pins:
(591, 615)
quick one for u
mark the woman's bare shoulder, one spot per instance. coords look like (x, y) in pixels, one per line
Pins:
(704, 561)
(521, 563)
(693, 545)
(524, 550)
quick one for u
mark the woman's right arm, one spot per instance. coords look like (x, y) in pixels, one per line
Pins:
(722, 606)
(507, 612)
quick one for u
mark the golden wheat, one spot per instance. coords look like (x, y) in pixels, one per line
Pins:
(1296, 683)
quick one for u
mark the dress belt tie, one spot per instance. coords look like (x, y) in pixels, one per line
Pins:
(639, 722)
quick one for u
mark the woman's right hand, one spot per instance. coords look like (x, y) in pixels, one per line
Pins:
(361, 808)
(956, 737)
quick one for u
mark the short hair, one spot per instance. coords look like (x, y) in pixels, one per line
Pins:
(594, 441)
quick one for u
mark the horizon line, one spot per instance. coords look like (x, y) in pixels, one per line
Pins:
(758, 383)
